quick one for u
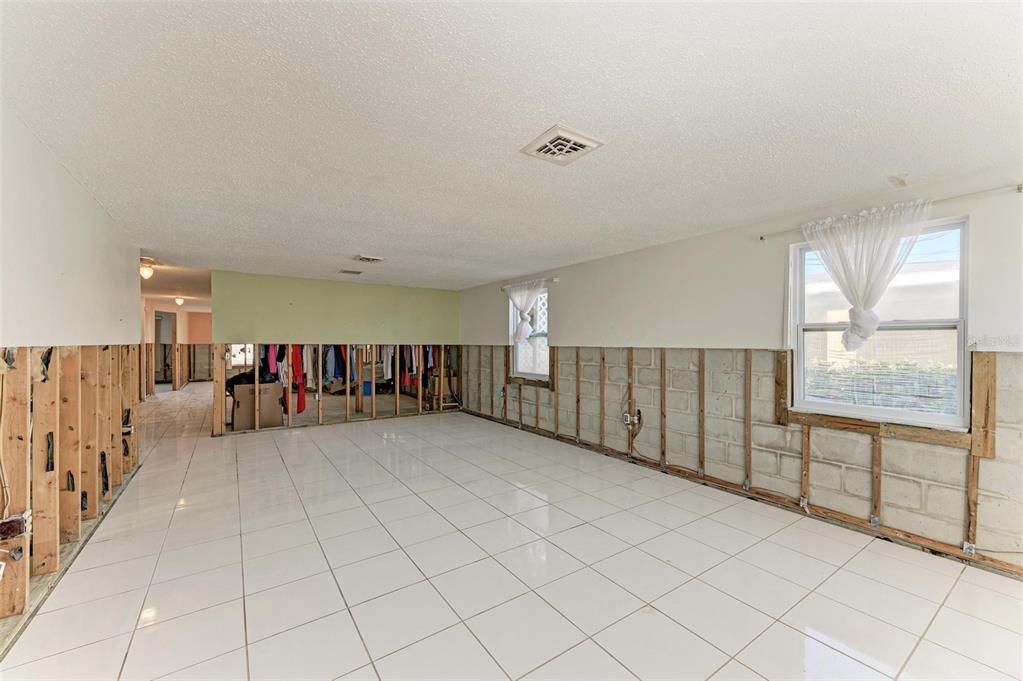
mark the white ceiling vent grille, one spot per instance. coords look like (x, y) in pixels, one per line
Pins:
(352, 272)
(561, 146)
(368, 258)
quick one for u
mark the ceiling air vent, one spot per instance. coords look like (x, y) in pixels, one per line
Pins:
(353, 272)
(561, 146)
(368, 258)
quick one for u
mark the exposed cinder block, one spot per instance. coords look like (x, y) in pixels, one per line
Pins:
(840, 446)
(643, 396)
(680, 358)
(729, 384)
(839, 501)
(927, 462)
(719, 361)
(1005, 515)
(856, 481)
(720, 405)
(949, 502)
(824, 475)
(726, 429)
(643, 357)
(765, 461)
(1001, 478)
(684, 379)
(651, 377)
(903, 492)
(791, 467)
(923, 524)
(776, 484)
(679, 401)
(763, 361)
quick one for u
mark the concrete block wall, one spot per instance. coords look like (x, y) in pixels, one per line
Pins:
(1000, 500)
(683, 409)
(566, 391)
(646, 390)
(923, 486)
(589, 395)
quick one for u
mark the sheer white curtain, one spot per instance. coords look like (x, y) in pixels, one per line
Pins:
(862, 254)
(523, 296)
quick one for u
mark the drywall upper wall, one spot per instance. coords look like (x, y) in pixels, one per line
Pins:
(728, 289)
(200, 327)
(68, 273)
(268, 309)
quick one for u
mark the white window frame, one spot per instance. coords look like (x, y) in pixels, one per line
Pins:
(797, 327)
(513, 316)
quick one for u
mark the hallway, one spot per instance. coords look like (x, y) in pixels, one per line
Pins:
(443, 547)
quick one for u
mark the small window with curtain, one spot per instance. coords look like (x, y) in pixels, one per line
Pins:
(913, 368)
(531, 354)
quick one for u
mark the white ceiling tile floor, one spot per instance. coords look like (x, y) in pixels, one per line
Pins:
(400, 581)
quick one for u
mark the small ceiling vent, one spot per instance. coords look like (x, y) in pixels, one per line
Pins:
(352, 272)
(368, 258)
(561, 146)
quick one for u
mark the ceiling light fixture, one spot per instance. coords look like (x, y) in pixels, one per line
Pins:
(372, 259)
(179, 301)
(146, 267)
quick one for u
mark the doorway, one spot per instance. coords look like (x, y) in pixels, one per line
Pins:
(165, 350)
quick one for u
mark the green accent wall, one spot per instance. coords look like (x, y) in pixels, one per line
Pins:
(258, 308)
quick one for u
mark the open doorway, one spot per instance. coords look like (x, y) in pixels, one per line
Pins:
(165, 350)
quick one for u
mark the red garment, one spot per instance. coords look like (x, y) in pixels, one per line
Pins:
(298, 376)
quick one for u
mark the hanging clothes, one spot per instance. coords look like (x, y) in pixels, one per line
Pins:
(388, 358)
(298, 383)
(308, 356)
(270, 359)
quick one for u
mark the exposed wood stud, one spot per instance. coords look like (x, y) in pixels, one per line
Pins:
(442, 368)
(373, 381)
(875, 479)
(288, 383)
(505, 355)
(419, 380)
(45, 462)
(14, 454)
(219, 388)
(747, 416)
(319, 384)
(519, 400)
(397, 381)
(982, 416)
(781, 386)
(106, 466)
(578, 384)
(69, 474)
(256, 370)
(555, 380)
(479, 377)
(630, 403)
(114, 458)
(702, 399)
(664, 406)
(804, 480)
(490, 380)
(603, 380)
(351, 360)
(89, 483)
(972, 480)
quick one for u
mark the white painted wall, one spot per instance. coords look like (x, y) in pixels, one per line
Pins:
(68, 273)
(728, 289)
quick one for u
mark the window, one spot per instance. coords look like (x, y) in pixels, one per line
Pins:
(241, 355)
(531, 357)
(913, 370)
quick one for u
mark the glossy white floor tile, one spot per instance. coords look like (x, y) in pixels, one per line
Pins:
(447, 547)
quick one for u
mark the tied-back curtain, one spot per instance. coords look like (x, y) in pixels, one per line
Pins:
(862, 254)
(524, 296)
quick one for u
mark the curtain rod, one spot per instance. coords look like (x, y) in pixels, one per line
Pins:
(1017, 187)
(551, 280)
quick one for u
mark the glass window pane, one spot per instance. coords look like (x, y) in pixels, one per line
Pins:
(532, 356)
(927, 287)
(911, 370)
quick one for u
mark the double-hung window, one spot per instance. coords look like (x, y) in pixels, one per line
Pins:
(914, 369)
(531, 357)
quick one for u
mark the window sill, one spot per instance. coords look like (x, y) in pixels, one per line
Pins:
(948, 437)
(535, 382)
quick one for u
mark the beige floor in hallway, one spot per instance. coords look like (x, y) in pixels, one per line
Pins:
(448, 547)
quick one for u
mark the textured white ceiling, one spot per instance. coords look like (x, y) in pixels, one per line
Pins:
(170, 281)
(287, 137)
